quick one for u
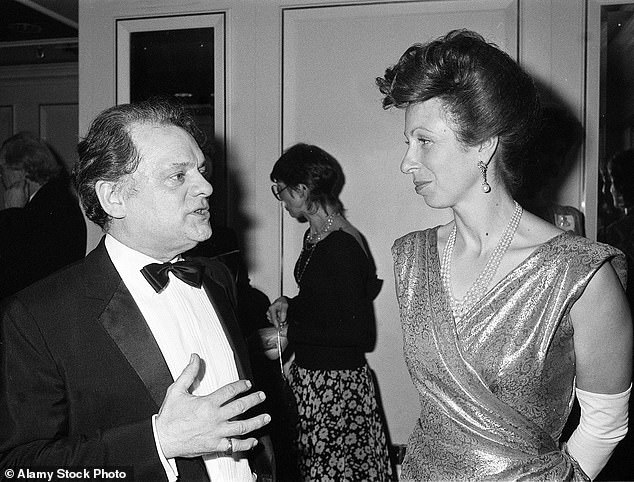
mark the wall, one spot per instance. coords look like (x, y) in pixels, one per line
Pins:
(263, 43)
(41, 99)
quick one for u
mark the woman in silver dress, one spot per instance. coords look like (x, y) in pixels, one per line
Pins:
(505, 317)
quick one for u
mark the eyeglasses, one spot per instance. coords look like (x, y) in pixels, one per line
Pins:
(277, 191)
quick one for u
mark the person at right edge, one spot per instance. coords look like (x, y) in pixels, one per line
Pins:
(505, 317)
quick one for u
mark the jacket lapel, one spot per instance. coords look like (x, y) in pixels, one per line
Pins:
(123, 321)
(127, 328)
(220, 301)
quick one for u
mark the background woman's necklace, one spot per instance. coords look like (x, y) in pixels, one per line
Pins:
(309, 247)
(480, 285)
(302, 262)
(314, 238)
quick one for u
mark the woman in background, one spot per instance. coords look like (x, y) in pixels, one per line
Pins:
(505, 316)
(329, 324)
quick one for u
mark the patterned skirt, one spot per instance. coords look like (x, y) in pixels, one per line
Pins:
(339, 429)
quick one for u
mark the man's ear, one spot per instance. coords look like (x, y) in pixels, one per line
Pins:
(111, 198)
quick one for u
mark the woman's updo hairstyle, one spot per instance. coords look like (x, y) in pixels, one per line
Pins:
(484, 92)
(317, 170)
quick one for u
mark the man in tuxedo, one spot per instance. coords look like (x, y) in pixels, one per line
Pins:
(43, 230)
(133, 357)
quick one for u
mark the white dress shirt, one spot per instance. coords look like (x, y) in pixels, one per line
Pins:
(183, 321)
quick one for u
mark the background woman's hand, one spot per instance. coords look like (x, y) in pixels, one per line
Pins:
(268, 341)
(276, 313)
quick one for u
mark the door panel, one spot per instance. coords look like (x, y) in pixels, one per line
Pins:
(58, 123)
(331, 56)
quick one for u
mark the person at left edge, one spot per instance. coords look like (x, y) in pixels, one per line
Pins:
(99, 368)
(44, 229)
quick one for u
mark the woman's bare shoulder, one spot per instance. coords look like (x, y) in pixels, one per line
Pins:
(533, 231)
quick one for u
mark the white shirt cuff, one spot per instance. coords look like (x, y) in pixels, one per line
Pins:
(169, 465)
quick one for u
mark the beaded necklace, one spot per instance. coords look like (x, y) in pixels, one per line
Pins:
(314, 238)
(480, 285)
(309, 246)
(300, 267)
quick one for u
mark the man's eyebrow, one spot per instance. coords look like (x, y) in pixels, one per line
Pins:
(180, 164)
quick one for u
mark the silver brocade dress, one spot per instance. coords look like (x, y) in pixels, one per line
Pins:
(495, 391)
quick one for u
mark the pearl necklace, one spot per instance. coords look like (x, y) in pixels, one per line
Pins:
(480, 285)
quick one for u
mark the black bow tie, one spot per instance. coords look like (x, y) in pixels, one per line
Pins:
(191, 272)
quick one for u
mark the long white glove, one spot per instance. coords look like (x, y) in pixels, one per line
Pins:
(602, 426)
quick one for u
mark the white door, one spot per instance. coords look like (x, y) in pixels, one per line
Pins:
(331, 57)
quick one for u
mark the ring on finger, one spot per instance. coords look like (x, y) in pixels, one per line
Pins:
(229, 449)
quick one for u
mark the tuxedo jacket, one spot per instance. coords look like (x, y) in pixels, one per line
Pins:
(81, 374)
(40, 238)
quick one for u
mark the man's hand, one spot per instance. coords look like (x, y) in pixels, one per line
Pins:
(189, 426)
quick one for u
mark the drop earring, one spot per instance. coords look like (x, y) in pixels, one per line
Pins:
(483, 169)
